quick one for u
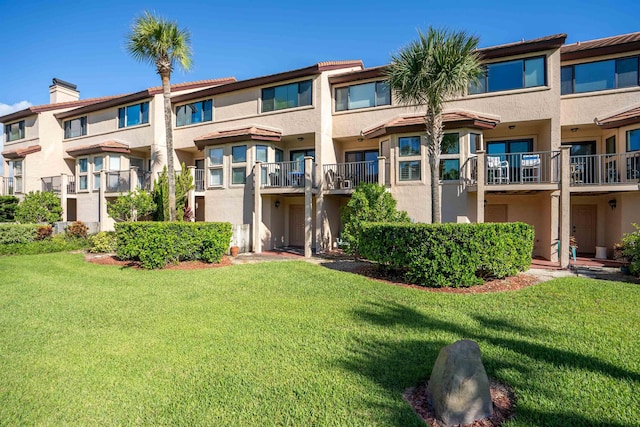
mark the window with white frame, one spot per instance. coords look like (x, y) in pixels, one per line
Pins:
(18, 173)
(409, 164)
(239, 164)
(75, 127)
(450, 157)
(113, 175)
(262, 154)
(83, 174)
(363, 95)
(216, 170)
(133, 115)
(98, 164)
(14, 131)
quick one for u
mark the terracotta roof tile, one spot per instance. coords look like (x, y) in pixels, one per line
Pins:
(624, 118)
(103, 147)
(21, 152)
(234, 135)
(604, 46)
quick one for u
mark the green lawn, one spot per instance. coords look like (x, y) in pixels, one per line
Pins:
(292, 343)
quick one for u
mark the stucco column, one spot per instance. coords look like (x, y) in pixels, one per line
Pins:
(102, 202)
(64, 196)
(565, 204)
(133, 178)
(480, 185)
(554, 224)
(257, 208)
(381, 170)
(308, 200)
(191, 195)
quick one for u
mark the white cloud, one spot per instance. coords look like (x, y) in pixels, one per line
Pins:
(8, 109)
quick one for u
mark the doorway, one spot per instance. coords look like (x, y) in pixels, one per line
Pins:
(296, 225)
(583, 227)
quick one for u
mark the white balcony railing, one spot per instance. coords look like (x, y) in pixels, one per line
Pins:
(522, 168)
(605, 169)
(284, 175)
(350, 175)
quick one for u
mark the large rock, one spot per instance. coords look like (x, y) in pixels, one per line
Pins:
(459, 387)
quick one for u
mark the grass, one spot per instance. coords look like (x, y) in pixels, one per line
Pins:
(296, 344)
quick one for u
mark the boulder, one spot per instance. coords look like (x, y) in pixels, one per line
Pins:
(459, 387)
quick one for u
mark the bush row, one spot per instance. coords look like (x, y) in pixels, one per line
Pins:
(155, 244)
(18, 233)
(58, 243)
(454, 255)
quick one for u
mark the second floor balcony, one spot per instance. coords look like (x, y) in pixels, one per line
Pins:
(285, 175)
(344, 176)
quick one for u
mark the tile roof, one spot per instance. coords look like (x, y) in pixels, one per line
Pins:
(627, 117)
(598, 47)
(254, 133)
(48, 107)
(525, 46)
(103, 147)
(21, 152)
(415, 123)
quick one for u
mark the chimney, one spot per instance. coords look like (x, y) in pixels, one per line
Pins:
(61, 91)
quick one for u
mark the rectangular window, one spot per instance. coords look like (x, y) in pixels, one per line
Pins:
(83, 176)
(286, 96)
(238, 175)
(133, 115)
(18, 173)
(449, 169)
(14, 131)
(216, 171)
(600, 75)
(409, 146)
(409, 171)
(76, 127)
(474, 143)
(363, 95)
(279, 155)
(196, 112)
(97, 167)
(633, 140)
(451, 143)
(114, 163)
(611, 145)
(510, 75)
(261, 153)
(239, 154)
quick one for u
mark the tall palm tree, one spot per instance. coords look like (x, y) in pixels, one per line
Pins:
(163, 44)
(428, 72)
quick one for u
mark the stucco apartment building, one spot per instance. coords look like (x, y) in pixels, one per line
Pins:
(551, 137)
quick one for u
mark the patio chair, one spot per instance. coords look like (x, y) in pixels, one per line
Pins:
(498, 170)
(530, 165)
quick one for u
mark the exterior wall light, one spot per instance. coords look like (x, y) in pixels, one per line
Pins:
(613, 203)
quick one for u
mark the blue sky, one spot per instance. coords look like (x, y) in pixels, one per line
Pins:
(83, 41)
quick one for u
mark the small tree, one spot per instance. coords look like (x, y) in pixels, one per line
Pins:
(130, 207)
(8, 206)
(184, 183)
(39, 207)
(369, 203)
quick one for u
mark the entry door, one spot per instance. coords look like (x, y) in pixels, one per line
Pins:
(296, 225)
(495, 213)
(583, 227)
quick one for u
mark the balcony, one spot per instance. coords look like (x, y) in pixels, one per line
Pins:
(343, 176)
(541, 167)
(605, 169)
(6, 186)
(51, 184)
(118, 181)
(285, 175)
(199, 179)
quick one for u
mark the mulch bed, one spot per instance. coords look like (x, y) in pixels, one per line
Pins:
(502, 397)
(103, 259)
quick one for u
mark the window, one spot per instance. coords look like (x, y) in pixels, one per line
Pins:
(83, 174)
(451, 143)
(450, 157)
(18, 173)
(261, 153)
(600, 75)
(449, 169)
(76, 127)
(133, 115)
(196, 112)
(363, 96)
(286, 96)
(409, 146)
(279, 155)
(633, 140)
(509, 75)
(611, 145)
(409, 169)
(216, 171)
(474, 143)
(239, 155)
(98, 164)
(14, 131)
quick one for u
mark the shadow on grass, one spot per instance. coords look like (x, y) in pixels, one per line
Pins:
(398, 363)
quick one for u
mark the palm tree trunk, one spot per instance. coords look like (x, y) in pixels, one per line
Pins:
(171, 175)
(435, 133)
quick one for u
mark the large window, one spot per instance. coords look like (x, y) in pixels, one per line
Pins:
(18, 173)
(133, 115)
(216, 171)
(600, 75)
(14, 131)
(409, 146)
(76, 127)
(509, 75)
(409, 150)
(196, 112)
(363, 96)
(83, 174)
(286, 96)
(239, 172)
(98, 165)
(474, 143)
(633, 140)
(450, 157)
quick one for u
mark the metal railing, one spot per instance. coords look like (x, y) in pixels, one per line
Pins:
(199, 179)
(144, 180)
(350, 175)
(118, 181)
(469, 170)
(284, 175)
(52, 184)
(605, 169)
(7, 188)
(523, 168)
(71, 185)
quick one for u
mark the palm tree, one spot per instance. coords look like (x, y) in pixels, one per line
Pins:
(163, 44)
(428, 72)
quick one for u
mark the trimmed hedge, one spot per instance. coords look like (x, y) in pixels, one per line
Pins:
(58, 243)
(456, 255)
(155, 244)
(18, 233)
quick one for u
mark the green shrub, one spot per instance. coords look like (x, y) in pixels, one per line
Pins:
(8, 206)
(39, 207)
(630, 249)
(58, 243)
(155, 244)
(103, 242)
(44, 232)
(454, 255)
(184, 183)
(368, 203)
(131, 206)
(77, 229)
(17, 233)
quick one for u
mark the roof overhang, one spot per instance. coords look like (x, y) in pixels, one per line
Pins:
(252, 133)
(103, 147)
(520, 48)
(20, 153)
(606, 46)
(629, 116)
